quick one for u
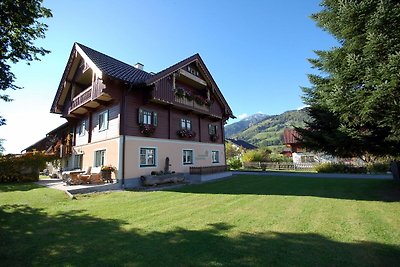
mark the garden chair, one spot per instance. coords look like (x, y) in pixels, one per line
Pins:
(92, 176)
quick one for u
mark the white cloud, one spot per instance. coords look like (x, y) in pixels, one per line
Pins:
(242, 116)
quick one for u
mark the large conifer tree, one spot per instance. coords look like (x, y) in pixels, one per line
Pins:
(354, 101)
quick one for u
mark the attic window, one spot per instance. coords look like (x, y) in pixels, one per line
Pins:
(193, 71)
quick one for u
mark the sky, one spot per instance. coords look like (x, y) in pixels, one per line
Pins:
(256, 51)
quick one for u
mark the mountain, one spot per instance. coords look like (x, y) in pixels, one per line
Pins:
(240, 126)
(268, 130)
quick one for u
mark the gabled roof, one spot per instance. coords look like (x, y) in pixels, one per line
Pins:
(290, 136)
(111, 67)
(105, 64)
(115, 68)
(196, 57)
(241, 143)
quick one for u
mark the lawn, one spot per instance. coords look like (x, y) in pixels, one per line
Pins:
(243, 221)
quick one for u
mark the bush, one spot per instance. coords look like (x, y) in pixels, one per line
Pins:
(378, 167)
(23, 168)
(234, 163)
(339, 168)
(259, 155)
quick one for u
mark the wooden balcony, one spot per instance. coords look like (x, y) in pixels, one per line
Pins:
(90, 98)
(191, 104)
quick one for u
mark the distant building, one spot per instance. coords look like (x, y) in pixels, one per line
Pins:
(293, 148)
(241, 144)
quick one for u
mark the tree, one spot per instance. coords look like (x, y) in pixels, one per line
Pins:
(1, 146)
(354, 101)
(20, 26)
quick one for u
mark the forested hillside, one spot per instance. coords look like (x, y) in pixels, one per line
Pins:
(267, 130)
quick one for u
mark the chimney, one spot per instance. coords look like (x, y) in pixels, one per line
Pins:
(139, 66)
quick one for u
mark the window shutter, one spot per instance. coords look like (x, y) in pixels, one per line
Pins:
(155, 119)
(140, 116)
(216, 129)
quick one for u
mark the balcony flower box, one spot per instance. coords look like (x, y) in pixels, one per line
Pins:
(147, 129)
(183, 133)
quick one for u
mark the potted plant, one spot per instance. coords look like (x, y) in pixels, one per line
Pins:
(147, 129)
(106, 172)
(180, 92)
(199, 100)
(186, 133)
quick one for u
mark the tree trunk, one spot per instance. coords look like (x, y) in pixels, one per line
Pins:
(395, 168)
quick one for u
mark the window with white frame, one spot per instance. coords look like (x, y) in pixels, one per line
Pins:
(147, 117)
(147, 157)
(99, 158)
(81, 128)
(186, 124)
(187, 157)
(215, 156)
(103, 120)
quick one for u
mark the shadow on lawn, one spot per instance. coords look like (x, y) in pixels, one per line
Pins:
(353, 189)
(30, 237)
(11, 187)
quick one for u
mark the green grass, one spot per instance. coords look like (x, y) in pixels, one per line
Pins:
(243, 221)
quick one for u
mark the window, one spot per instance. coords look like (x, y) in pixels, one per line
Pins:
(147, 157)
(215, 156)
(186, 124)
(212, 129)
(147, 117)
(81, 128)
(99, 158)
(193, 71)
(103, 120)
(78, 161)
(187, 157)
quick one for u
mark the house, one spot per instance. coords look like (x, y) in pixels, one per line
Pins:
(124, 116)
(293, 148)
(290, 141)
(237, 143)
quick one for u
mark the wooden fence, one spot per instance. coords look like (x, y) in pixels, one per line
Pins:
(279, 165)
(208, 170)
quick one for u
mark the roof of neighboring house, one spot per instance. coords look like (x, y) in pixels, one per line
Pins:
(242, 143)
(115, 68)
(43, 144)
(290, 136)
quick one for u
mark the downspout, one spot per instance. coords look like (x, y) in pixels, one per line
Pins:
(122, 129)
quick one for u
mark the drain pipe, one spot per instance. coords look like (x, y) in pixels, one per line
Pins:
(122, 130)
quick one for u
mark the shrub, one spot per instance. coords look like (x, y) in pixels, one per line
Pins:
(339, 168)
(23, 168)
(234, 163)
(259, 155)
(378, 167)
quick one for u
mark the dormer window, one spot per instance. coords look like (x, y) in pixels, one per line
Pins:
(193, 71)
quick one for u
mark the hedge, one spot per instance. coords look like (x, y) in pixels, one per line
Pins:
(343, 168)
(23, 168)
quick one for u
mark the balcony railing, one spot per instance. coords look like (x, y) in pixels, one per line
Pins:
(82, 98)
(87, 95)
(191, 103)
